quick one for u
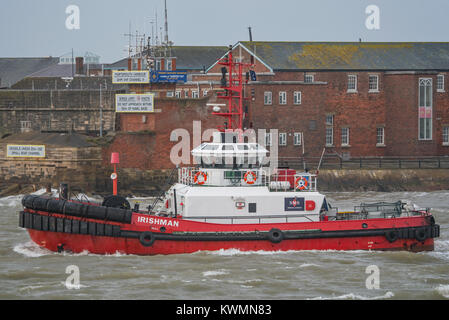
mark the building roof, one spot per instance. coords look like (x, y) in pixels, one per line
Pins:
(187, 57)
(13, 70)
(351, 55)
(197, 57)
(55, 139)
(62, 70)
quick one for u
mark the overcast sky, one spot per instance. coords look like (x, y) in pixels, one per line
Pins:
(31, 28)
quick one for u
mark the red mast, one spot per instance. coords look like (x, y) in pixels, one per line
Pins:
(233, 91)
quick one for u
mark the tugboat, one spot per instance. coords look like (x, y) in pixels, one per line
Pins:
(232, 199)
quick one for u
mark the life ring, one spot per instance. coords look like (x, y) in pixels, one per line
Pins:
(254, 179)
(275, 235)
(391, 235)
(200, 173)
(147, 238)
(421, 234)
(301, 183)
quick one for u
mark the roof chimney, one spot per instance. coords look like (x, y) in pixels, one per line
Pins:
(79, 65)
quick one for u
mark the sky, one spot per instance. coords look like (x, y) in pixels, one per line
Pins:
(37, 28)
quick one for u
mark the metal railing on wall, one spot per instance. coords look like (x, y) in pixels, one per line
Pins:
(335, 162)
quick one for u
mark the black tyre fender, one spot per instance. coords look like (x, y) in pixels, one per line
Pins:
(275, 235)
(147, 238)
(421, 234)
(391, 235)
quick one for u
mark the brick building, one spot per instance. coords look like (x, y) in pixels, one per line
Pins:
(354, 99)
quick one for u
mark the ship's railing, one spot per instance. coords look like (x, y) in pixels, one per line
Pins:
(277, 180)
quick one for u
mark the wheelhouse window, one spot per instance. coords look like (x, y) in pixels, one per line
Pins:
(352, 83)
(282, 97)
(267, 98)
(425, 109)
(297, 97)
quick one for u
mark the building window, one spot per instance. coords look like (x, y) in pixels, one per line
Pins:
(446, 136)
(440, 83)
(178, 94)
(352, 83)
(380, 136)
(425, 109)
(329, 119)
(168, 64)
(195, 94)
(373, 83)
(297, 97)
(329, 136)
(297, 138)
(282, 97)
(345, 136)
(282, 139)
(309, 78)
(267, 139)
(267, 98)
(205, 92)
(158, 64)
(312, 124)
(186, 93)
(170, 94)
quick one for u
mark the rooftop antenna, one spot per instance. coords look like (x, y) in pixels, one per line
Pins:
(250, 35)
(129, 35)
(166, 24)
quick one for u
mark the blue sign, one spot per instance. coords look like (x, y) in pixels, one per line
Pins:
(168, 76)
(294, 204)
(252, 73)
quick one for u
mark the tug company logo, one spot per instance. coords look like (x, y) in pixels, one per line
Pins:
(294, 204)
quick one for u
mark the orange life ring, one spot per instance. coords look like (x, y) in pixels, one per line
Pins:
(254, 179)
(203, 174)
(301, 183)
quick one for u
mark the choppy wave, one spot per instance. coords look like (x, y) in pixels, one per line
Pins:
(352, 296)
(31, 250)
(215, 273)
(443, 290)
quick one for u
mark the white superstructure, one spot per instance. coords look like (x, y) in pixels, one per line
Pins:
(234, 184)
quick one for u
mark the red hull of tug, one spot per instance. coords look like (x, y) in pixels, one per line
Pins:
(96, 244)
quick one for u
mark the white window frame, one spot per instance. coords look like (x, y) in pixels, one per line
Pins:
(376, 89)
(267, 98)
(309, 78)
(195, 94)
(205, 92)
(282, 139)
(427, 104)
(329, 137)
(352, 76)
(283, 97)
(380, 130)
(186, 93)
(440, 83)
(168, 64)
(268, 139)
(297, 138)
(297, 97)
(446, 135)
(170, 94)
(345, 136)
(331, 117)
(178, 94)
